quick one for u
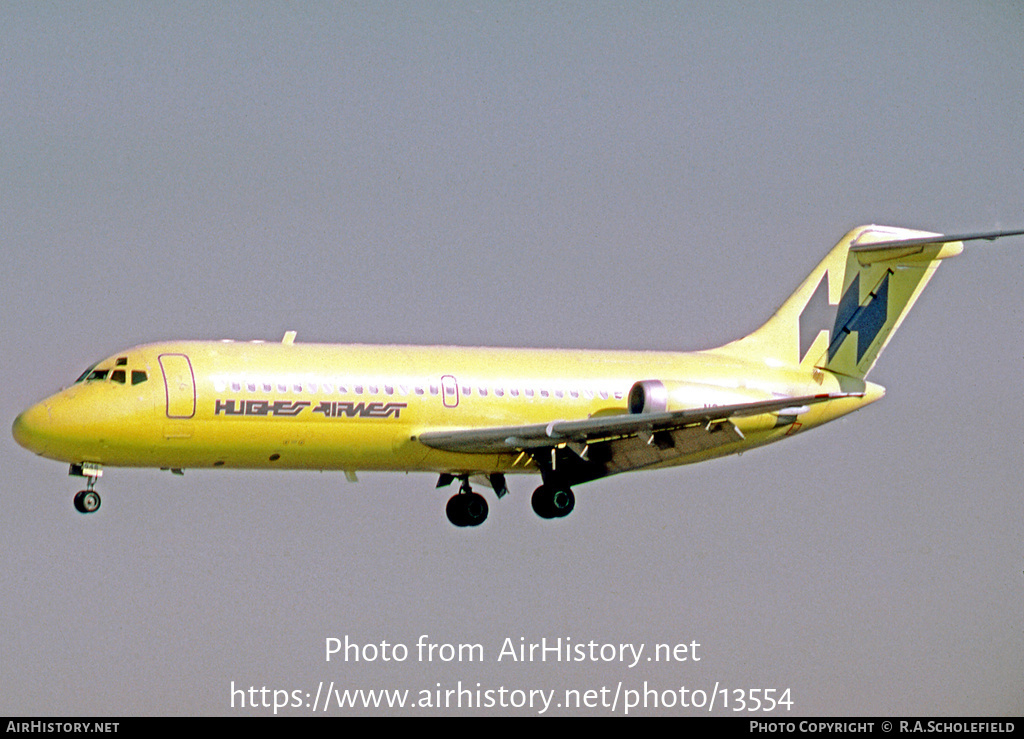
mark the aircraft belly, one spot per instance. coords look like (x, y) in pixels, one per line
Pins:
(291, 444)
(259, 443)
(438, 461)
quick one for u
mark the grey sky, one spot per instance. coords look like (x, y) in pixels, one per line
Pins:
(604, 175)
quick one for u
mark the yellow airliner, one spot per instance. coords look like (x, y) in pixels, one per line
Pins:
(478, 414)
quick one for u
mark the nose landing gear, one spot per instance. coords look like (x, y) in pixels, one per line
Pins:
(88, 500)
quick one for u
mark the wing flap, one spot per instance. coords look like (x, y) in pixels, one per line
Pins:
(637, 452)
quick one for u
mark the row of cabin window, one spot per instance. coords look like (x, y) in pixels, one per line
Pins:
(466, 390)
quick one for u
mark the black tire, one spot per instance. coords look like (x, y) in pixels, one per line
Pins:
(553, 502)
(466, 509)
(87, 501)
(541, 503)
(474, 509)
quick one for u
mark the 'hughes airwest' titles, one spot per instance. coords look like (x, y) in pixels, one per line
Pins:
(477, 415)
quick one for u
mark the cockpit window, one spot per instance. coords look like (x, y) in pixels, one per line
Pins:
(119, 375)
(86, 373)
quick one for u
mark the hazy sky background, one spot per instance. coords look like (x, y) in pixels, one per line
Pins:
(602, 175)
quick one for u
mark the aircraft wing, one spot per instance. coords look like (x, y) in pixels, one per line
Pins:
(624, 441)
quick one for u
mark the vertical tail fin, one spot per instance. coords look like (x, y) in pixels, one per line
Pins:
(846, 311)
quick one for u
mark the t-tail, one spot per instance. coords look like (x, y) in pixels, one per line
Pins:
(847, 310)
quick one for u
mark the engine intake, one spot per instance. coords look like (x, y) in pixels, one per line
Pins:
(648, 396)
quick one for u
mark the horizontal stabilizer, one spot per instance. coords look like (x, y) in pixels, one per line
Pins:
(936, 239)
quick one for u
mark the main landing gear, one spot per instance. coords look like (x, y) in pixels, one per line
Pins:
(88, 500)
(553, 502)
(466, 508)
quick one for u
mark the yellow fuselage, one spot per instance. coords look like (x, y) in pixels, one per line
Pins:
(361, 407)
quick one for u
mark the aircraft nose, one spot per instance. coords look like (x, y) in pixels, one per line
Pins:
(30, 428)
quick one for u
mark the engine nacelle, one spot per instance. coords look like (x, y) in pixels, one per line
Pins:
(657, 396)
(648, 396)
